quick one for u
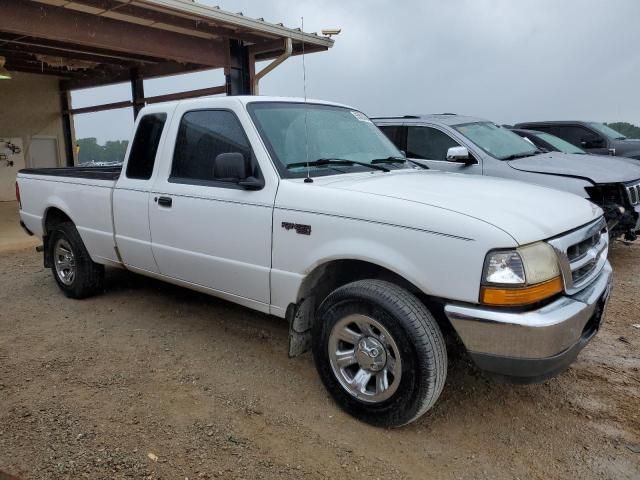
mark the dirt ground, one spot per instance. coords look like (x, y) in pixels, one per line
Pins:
(11, 235)
(154, 381)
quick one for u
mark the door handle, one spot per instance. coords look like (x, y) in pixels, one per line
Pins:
(165, 201)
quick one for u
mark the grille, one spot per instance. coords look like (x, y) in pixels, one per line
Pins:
(634, 193)
(582, 254)
(577, 251)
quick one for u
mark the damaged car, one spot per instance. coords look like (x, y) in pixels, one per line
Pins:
(473, 145)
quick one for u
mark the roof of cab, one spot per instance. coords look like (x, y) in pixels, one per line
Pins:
(243, 99)
(436, 118)
(553, 122)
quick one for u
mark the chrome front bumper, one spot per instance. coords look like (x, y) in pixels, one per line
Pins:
(535, 344)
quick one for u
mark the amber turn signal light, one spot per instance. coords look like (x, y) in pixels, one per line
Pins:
(515, 297)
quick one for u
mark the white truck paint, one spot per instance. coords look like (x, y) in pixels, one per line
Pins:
(428, 232)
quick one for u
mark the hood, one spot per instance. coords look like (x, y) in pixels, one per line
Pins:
(596, 168)
(628, 146)
(528, 213)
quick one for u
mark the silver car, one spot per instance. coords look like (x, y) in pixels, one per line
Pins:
(477, 146)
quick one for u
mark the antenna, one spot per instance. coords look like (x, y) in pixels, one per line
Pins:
(304, 88)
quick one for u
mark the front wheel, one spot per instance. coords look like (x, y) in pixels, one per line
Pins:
(379, 352)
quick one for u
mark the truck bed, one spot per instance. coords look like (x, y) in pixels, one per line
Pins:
(82, 193)
(111, 172)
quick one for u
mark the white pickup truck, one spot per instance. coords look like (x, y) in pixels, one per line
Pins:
(306, 211)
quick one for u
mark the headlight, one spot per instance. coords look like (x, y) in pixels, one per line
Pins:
(522, 276)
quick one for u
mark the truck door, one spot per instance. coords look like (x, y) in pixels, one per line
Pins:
(207, 228)
(585, 138)
(429, 145)
(131, 195)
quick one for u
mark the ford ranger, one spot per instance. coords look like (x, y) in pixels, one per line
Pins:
(306, 211)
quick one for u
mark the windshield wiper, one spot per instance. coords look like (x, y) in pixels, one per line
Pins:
(522, 155)
(336, 161)
(389, 160)
(398, 160)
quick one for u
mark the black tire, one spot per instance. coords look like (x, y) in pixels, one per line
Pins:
(416, 334)
(88, 277)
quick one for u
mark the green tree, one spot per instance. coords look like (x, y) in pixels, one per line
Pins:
(91, 151)
(627, 129)
(114, 151)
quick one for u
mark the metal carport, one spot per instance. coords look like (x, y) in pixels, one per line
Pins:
(90, 43)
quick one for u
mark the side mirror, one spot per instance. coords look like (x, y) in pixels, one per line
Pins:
(458, 155)
(230, 166)
(251, 183)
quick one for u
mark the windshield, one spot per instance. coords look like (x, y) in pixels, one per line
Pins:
(498, 142)
(607, 131)
(296, 133)
(562, 145)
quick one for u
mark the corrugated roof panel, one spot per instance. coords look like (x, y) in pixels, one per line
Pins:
(228, 19)
(215, 17)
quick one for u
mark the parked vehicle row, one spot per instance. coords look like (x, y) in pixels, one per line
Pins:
(477, 146)
(594, 137)
(547, 142)
(308, 212)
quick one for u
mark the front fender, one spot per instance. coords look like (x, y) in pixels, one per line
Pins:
(437, 264)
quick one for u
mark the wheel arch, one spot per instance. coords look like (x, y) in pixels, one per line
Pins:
(331, 274)
(53, 216)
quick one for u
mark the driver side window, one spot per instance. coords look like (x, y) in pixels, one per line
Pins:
(428, 143)
(573, 134)
(212, 149)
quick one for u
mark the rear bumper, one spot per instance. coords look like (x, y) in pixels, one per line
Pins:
(532, 346)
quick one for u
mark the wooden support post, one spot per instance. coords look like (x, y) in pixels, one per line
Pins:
(67, 126)
(137, 92)
(237, 73)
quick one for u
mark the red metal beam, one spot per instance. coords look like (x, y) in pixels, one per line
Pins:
(201, 92)
(109, 76)
(27, 18)
(72, 50)
(21, 65)
(100, 108)
(17, 49)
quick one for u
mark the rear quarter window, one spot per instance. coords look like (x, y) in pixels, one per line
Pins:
(142, 155)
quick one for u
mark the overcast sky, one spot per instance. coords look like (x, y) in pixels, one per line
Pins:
(500, 59)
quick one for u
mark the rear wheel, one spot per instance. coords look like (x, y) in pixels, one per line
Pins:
(74, 271)
(379, 352)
